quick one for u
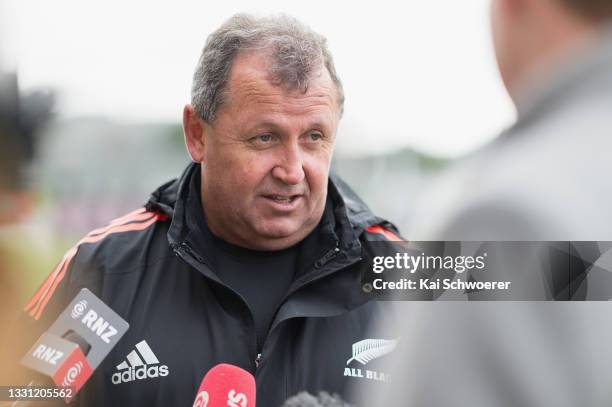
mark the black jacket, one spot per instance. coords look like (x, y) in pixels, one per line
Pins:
(153, 267)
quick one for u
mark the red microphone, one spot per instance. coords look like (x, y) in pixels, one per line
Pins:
(226, 386)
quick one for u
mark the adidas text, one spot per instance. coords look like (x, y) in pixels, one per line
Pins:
(139, 373)
(141, 363)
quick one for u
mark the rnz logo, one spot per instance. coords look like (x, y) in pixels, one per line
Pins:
(72, 374)
(79, 309)
(47, 354)
(96, 323)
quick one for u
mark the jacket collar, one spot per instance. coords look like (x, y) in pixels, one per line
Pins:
(328, 254)
(345, 218)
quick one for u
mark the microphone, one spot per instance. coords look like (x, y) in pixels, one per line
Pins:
(61, 360)
(226, 386)
(76, 343)
(324, 399)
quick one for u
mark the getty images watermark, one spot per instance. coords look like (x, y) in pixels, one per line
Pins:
(411, 264)
(491, 271)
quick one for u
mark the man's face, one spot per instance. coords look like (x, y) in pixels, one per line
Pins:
(266, 157)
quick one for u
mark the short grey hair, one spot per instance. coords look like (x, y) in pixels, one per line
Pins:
(297, 52)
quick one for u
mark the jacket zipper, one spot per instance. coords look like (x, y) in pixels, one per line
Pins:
(185, 248)
(327, 257)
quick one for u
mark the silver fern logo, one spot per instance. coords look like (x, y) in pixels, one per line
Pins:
(369, 349)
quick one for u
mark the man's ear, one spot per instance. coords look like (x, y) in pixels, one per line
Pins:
(193, 130)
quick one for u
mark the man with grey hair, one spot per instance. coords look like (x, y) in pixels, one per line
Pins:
(253, 256)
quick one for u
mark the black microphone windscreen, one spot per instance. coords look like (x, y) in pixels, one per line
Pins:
(79, 340)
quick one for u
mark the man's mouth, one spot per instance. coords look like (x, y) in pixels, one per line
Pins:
(282, 198)
(283, 201)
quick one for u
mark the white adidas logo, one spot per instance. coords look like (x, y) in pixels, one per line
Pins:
(135, 369)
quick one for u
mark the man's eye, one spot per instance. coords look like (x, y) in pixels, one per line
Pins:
(315, 136)
(263, 138)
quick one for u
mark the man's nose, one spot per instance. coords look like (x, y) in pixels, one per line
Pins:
(290, 169)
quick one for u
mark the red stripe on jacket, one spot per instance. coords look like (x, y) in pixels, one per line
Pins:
(385, 232)
(143, 220)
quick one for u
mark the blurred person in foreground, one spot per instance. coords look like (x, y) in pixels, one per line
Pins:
(546, 178)
(20, 118)
(252, 257)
